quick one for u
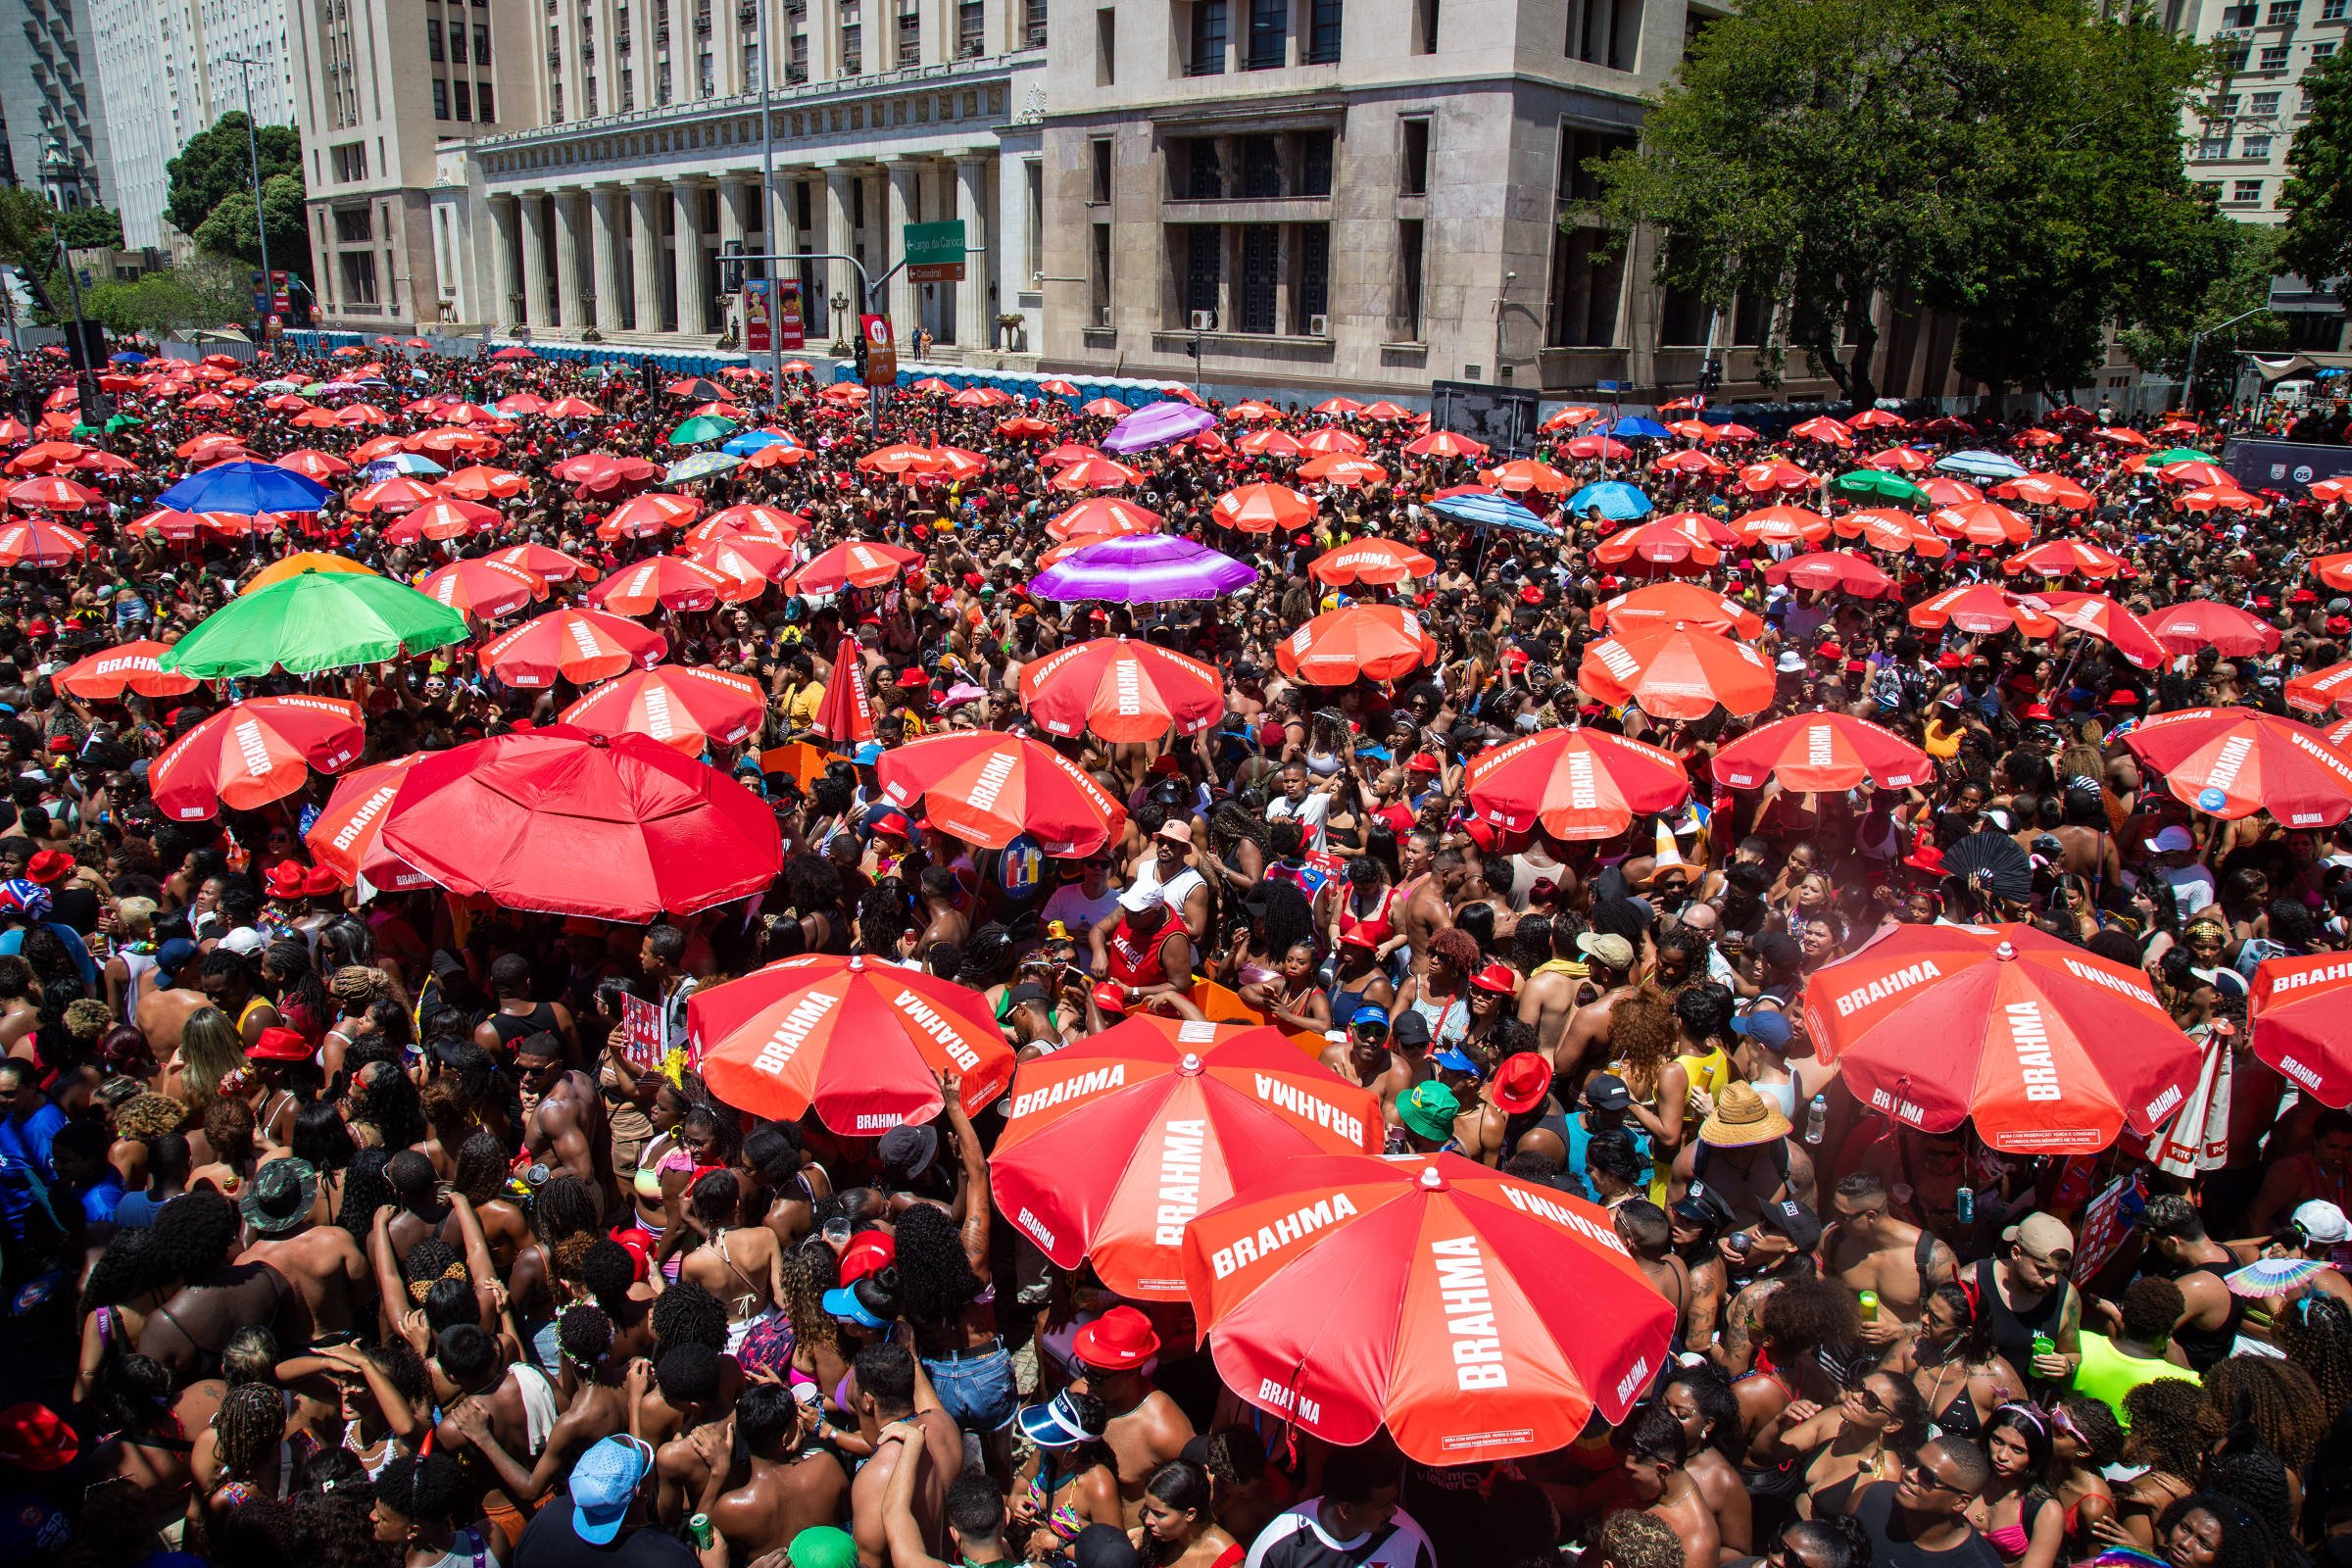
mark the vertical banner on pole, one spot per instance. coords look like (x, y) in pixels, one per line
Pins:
(757, 325)
(881, 351)
(789, 331)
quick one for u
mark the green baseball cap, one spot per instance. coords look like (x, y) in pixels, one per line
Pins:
(823, 1547)
(1429, 1110)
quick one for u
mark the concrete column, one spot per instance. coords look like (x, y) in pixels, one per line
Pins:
(732, 227)
(842, 277)
(508, 246)
(645, 254)
(973, 324)
(534, 262)
(604, 257)
(905, 302)
(568, 226)
(694, 291)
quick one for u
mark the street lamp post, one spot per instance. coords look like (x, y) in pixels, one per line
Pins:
(253, 152)
(2188, 382)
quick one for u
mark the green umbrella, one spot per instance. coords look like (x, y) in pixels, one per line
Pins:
(84, 432)
(701, 429)
(1872, 482)
(2180, 455)
(313, 389)
(123, 421)
(316, 620)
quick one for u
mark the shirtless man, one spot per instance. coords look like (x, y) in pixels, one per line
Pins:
(218, 1296)
(886, 1393)
(1867, 1248)
(323, 1262)
(1584, 1044)
(490, 1398)
(229, 985)
(690, 1434)
(163, 1004)
(1651, 1476)
(1366, 1059)
(1548, 999)
(943, 921)
(1146, 1429)
(1421, 908)
(598, 1408)
(565, 1117)
(795, 1482)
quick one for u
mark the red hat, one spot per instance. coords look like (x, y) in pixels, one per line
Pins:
(1483, 835)
(279, 1044)
(866, 1253)
(1119, 1340)
(321, 881)
(1496, 977)
(49, 866)
(2302, 596)
(894, 822)
(1522, 1082)
(1927, 857)
(1423, 762)
(1111, 997)
(2123, 697)
(34, 1437)
(1610, 584)
(60, 746)
(284, 879)
(2034, 710)
(971, 579)
(1358, 936)
(2263, 604)
(1530, 595)
(1515, 658)
(1830, 650)
(2337, 625)
(913, 680)
(38, 628)
(1269, 734)
(1167, 764)
(1950, 660)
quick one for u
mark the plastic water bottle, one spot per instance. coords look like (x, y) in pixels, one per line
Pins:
(1817, 1119)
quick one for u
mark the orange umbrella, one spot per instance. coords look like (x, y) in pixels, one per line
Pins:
(1983, 523)
(1774, 473)
(1664, 542)
(1264, 508)
(2322, 692)
(1840, 570)
(774, 524)
(45, 455)
(400, 493)
(1250, 409)
(856, 563)
(2056, 558)
(647, 515)
(1522, 474)
(52, 495)
(2201, 474)
(359, 414)
(1982, 609)
(1899, 459)
(1568, 419)
(683, 705)
(1371, 561)
(314, 464)
(1824, 430)
(1349, 472)
(2218, 498)
(1385, 411)
(1782, 526)
(1676, 670)
(1370, 642)
(106, 675)
(546, 563)
(1600, 446)
(1338, 406)
(294, 566)
(1444, 444)
(748, 564)
(1271, 444)
(1574, 783)
(1101, 517)
(1096, 473)
(574, 645)
(1946, 492)
(1122, 691)
(2045, 490)
(657, 583)
(1677, 600)
(781, 455)
(484, 589)
(1879, 420)
(479, 483)
(1890, 529)
(113, 462)
(572, 408)
(1688, 461)
(1331, 440)
(1067, 453)
(1105, 409)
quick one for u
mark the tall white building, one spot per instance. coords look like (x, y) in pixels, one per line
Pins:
(168, 70)
(48, 81)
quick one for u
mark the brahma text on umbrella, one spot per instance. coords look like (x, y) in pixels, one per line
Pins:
(1286, 1096)
(792, 1032)
(1469, 1313)
(1885, 985)
(1068, 1089)
(1271, 1239)
(2113, 982)
(951, 1039)
(1181, 1142)
(1529, 1201)
(2030, 1034)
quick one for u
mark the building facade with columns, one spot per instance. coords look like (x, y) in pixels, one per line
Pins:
(609, 218)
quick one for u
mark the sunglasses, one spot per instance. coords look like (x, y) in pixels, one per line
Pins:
(1869, 1400)
(1928, 1478)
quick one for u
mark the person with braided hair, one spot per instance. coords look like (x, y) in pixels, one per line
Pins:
(416, 1501)
(2277, 1399)
(251, 1420)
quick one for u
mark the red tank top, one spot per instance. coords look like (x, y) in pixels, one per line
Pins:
(1135, 961)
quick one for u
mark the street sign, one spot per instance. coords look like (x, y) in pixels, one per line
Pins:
(934, 252)
(881, 351)
(756, 325)
(279, 300)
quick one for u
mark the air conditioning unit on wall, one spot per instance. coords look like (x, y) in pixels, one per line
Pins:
(1318, 326)
(1205, 320)
(1106, 316)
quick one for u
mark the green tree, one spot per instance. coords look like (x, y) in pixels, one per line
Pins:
(2318, 194)
(2255, 256)
(205, 291)
(229, 229)
(89, 227)
(2015, 163)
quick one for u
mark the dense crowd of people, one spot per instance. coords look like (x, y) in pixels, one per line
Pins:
(345, 1227)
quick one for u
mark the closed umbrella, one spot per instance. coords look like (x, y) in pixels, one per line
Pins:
(845, 715)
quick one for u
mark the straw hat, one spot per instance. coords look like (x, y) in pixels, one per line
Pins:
(1742, 1117)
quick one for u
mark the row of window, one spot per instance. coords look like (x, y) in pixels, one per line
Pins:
(2242, 192)
(2240, 57)
(464, 100)
(2282, 14)
(1266, 46)
(457, 42)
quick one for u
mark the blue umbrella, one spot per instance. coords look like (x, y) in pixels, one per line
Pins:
(1633, 427)
(126, 357)
(1618, 501)
(245, 488)
(1982, 466)
(1493, 511)
(751, 441)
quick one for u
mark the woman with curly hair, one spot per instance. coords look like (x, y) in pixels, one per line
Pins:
(335, 1501)
(2279, 1399)
(138, 1121)
(1441, 994)
(1646, 1035)
(818, 1358)
(128, 1281)
(228, 1133)
(2203, 1530)
(2171, 1429)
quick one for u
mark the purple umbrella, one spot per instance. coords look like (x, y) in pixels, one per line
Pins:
(1144, 568)
(1155, 425)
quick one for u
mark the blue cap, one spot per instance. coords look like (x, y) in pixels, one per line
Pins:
(602, 1486)
(1369, 1014)
(1768, 1028)
(173, 956)
(1453, 1060)
(1055, 1424)
(844, 1303)
(868, 754)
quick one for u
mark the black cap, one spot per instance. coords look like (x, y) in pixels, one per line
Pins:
(1410, 1030)
(1796, 1221)
(1605, 1090)
(1780, 949)
(1104, 1546)
(907, 1149)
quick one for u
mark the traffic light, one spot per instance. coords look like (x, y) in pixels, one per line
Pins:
(858, 348)
(651, 376)
(1710, 376)
(730, 269)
